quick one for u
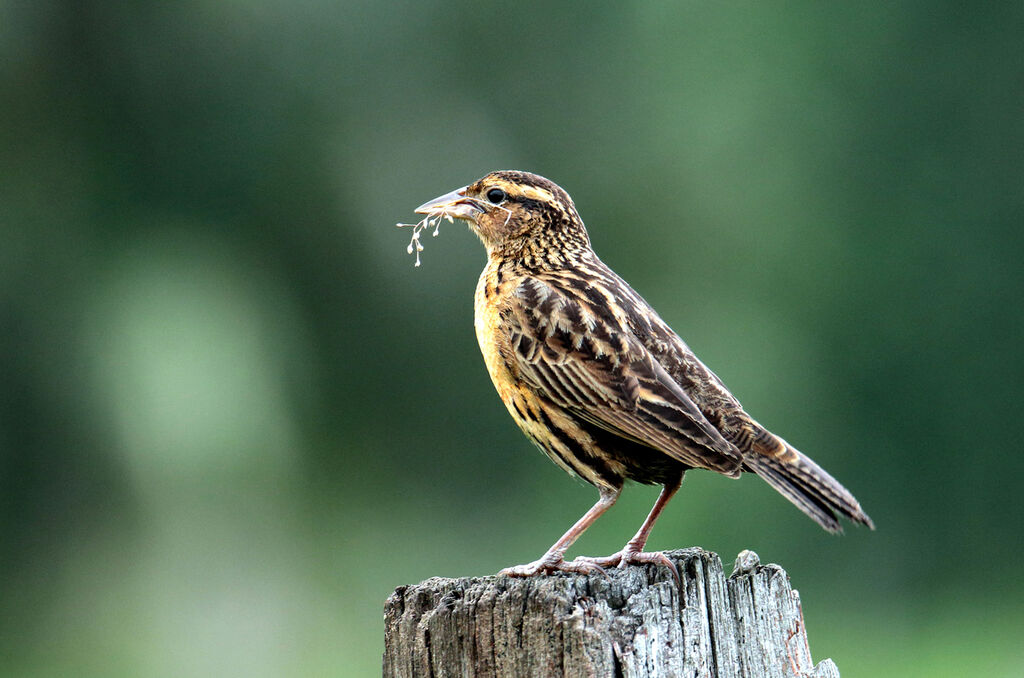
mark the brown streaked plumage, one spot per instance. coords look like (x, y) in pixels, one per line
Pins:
(594, 377)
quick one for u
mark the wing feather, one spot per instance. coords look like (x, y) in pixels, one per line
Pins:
(584, 361)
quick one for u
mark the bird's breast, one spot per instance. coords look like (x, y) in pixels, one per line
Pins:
(490, 333)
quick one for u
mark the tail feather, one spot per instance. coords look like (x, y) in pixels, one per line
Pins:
(797, 478)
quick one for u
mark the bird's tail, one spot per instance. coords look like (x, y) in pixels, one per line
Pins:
(800, 480)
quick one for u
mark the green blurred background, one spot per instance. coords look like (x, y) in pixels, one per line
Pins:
(234, 417)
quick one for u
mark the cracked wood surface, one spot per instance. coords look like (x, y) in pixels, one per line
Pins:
(634, 623)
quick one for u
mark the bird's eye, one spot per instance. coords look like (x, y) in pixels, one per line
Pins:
(496, 195)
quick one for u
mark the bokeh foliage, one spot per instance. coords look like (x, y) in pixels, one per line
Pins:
(234, 416)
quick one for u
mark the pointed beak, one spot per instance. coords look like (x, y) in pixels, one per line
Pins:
(455, 204)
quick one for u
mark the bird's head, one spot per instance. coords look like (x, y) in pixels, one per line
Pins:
(514, 213)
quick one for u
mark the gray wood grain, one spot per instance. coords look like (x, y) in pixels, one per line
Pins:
(636, 622)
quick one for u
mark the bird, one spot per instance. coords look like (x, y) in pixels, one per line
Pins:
(598, 381)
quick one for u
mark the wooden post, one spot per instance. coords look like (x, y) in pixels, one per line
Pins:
(636, 622)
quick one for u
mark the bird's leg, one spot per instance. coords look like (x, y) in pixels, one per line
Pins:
(554, 560)
(633, 552)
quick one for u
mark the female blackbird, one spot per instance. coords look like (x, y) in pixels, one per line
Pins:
(594, 377)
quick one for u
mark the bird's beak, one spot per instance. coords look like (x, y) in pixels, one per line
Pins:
(455, 204)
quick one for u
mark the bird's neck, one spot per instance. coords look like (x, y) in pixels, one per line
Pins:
(534, 259)
(549, 249)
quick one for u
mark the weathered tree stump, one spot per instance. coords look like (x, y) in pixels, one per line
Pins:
(635, 622)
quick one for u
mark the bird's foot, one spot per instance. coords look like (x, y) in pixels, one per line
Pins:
(552, 562)
(630, 556)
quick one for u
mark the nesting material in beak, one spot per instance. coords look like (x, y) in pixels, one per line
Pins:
(450, 206)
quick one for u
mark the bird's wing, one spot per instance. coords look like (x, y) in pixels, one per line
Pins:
(703, 386)
(581, 358)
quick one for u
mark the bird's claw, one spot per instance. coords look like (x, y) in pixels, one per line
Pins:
(628, 556)
(550, 564)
